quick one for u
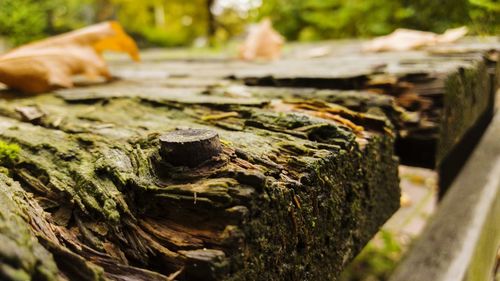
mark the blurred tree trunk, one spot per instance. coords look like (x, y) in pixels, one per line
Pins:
(50, 21)
(159, 14)
(105, 10)
(211, 23)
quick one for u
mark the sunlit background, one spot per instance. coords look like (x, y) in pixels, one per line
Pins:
(214, 22)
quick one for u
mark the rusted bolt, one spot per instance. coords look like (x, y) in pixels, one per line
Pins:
(189, 147)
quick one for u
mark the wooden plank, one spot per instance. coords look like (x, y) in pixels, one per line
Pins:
(442, 96)
(304, 179)
(294, 194)
(448, 89)
(462, 239)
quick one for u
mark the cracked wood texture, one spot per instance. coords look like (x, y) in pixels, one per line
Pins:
(306, 175)
(433, 96)
(440, 99)
(294, 193)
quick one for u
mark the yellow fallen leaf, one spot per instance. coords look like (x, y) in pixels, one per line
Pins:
(263, 42)
(50, 63)
(407, 39)
(215, 117)
(405, 200)
(343, 121)
(322, 110)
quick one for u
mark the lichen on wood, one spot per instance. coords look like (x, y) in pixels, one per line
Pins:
(433, 96)
(290, 196)
(304, 173)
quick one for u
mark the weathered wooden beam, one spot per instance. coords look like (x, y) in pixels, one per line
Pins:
(449, 90)
(302, 178)
(294, 191)
(442, 96)
(462, 239)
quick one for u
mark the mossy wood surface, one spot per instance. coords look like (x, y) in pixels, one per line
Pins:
(306, 176)
(433, 96)
(299, 187)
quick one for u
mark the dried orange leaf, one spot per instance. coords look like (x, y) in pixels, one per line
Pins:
(407, 39)
(343, 121)
(263, 42)
(119, 42)
(319, 109)
(47, 64)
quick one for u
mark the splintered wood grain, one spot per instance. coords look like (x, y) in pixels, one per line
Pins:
(296, 183)
(305, 176)
(440, 92)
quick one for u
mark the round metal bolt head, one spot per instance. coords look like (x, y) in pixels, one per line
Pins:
(189, 147)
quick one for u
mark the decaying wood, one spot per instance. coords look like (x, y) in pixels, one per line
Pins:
(440, 92)
(443, 91)
(303, 177)
(291, 195)
(461, 241)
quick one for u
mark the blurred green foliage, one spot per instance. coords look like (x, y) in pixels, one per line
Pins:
(151, 22)
(379, 258)
(322, 19)
(180, 22)
(21, 20)
(164, 23)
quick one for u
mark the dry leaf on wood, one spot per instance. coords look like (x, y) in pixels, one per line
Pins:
(50, 63)
(407, 39)
(263, 42)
